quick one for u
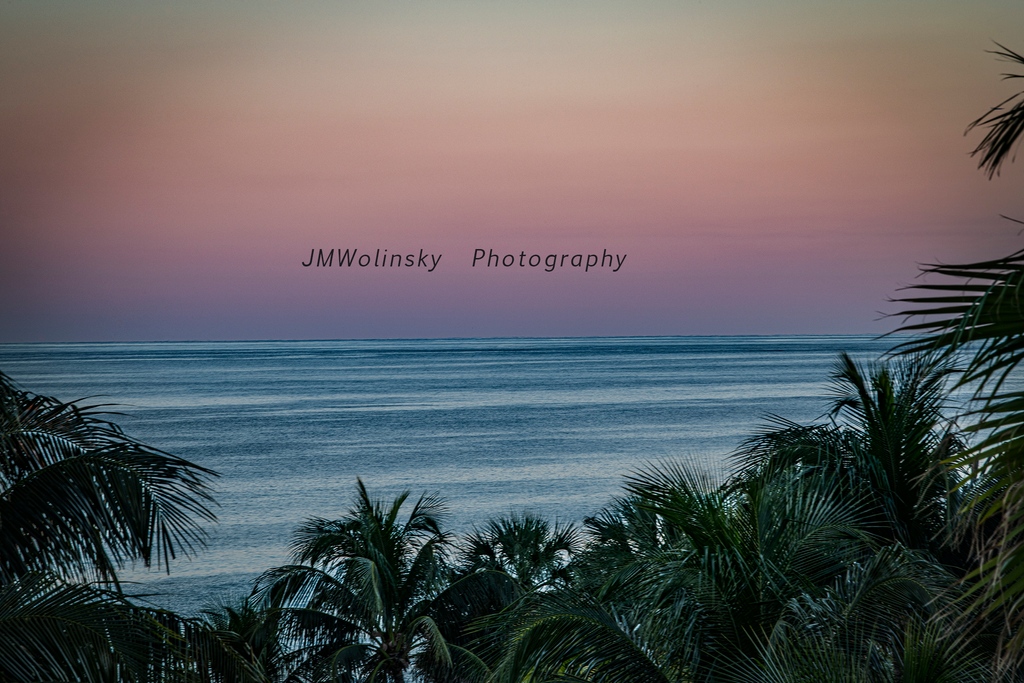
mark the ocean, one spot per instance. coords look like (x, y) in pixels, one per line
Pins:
(492, 425)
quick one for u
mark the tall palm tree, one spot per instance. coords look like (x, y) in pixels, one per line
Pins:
(886, 444)
(361, 600)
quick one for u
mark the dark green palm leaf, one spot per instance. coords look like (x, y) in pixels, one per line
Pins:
(359, 603)
(526, 547)
(565, 636)
(79, 497)
(1005, 122)
(51, 630)
(887, 443)
(987, 324)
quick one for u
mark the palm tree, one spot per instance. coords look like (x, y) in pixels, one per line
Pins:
(981, 312)
(977, 309)
(847, 651)
(824, 555)
(362, 599)
(528, 548)
(618, 536)
(768, 578)
(728, 562)
(568, 636)
(78, 500)
(886, 444)
(256, 637)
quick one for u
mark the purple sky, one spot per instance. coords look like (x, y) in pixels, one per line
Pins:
(166, 168)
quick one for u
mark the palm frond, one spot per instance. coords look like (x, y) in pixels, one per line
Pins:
(987, 324)
(54, 630)
(51, 630)
(79, 497)
(566, 636)
(1004, 121)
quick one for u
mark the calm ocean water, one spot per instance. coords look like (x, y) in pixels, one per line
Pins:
(549, 425)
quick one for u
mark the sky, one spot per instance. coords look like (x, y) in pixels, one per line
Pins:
(761, 168)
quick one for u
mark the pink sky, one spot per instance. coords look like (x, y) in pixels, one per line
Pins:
(165, 169)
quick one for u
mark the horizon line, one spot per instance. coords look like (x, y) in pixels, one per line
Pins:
(466, 338)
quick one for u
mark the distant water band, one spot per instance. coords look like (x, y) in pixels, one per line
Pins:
(550, 425)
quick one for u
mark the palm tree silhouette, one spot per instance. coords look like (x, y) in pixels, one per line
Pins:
(727, 562)
(977, 310)
(367, 593)
(534, 552)
(886, 444)
(78, 500)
